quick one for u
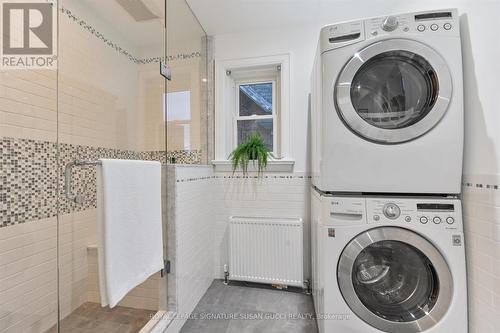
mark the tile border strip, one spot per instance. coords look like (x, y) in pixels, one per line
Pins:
(138, 61)
(482, 186)
(185, 180)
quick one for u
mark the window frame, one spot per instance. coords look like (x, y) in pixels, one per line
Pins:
(226, 71)
(273, 115)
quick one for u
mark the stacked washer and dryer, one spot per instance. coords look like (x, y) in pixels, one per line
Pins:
(387, 140)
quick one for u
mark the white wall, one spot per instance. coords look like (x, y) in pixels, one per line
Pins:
(481, 53)
(298, 43)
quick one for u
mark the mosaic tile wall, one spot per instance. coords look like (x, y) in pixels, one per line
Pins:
(28, 190)
(30, 174)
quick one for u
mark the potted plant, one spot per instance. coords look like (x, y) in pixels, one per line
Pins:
(252, 149)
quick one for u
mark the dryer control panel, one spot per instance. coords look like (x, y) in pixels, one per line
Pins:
(433, 213)
(443, 22)
(430, 23)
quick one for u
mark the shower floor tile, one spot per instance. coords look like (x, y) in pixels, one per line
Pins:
(238, 308)
(92, 318)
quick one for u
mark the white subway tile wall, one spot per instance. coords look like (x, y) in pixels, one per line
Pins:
(272, 195)
(191, 228)
(28, 277)
(28, 104)
(481, 206)
(75, 230)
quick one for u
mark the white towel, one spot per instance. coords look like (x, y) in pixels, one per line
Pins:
(130, 242)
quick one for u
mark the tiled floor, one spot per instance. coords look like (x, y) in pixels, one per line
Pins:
(92, 318)
(242, 309)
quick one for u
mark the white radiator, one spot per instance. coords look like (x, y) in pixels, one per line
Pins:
(266, 250)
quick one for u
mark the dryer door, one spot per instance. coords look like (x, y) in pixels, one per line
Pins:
(393, 91)
(395, 280)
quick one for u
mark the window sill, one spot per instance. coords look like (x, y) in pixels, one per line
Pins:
(272, 166)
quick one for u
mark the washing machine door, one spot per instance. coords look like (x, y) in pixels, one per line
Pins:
(393, 91)
(395, 280)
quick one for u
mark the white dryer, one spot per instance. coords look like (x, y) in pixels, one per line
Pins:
(387, 105)
(393, 265)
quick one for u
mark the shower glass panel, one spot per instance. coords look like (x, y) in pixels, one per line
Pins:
(187, 92)
(105, 98)
(186, 116)
(110, 95)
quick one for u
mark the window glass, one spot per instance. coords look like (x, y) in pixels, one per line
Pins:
(394, 89)
(256, 99)
(178, 106)
(396, 281)
(263, 127)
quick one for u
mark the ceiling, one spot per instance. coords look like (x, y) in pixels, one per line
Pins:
(139, 34)
(227, 16)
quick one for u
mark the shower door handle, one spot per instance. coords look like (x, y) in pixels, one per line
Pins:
(165, 71)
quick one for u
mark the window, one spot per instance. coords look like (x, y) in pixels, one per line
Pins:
(178, 106)
(177, 112)
(256, 112)
(252, 96)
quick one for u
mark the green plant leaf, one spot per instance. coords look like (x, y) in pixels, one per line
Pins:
(252, 149)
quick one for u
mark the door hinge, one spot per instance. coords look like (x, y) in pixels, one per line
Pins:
(166, 268)
(165, 71)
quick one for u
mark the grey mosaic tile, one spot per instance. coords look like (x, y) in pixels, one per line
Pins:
(32, 176)
(28, 189)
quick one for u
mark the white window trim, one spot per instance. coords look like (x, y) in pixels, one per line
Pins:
(224, 106)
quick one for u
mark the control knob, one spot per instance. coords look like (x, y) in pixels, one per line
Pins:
(390, 23)
(391, 211)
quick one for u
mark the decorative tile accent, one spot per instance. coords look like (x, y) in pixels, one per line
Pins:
(194, 179)
(176, 57)
(481, 186)
(93, 31)
(184, 156)
(185, 180)
(28, 188)
(32, 175)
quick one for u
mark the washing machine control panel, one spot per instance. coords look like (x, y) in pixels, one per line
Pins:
(436, 213)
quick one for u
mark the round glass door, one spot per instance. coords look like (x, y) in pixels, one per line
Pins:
(395, 280)
(393, 91)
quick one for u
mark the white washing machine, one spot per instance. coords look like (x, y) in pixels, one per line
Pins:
(392, 265)
(387, 105)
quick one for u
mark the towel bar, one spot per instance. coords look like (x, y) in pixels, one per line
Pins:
(79, 199)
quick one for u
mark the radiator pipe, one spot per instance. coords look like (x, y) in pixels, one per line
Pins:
(226, 275)
(307, 290)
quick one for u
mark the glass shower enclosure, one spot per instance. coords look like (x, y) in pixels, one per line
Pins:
(104, 99)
